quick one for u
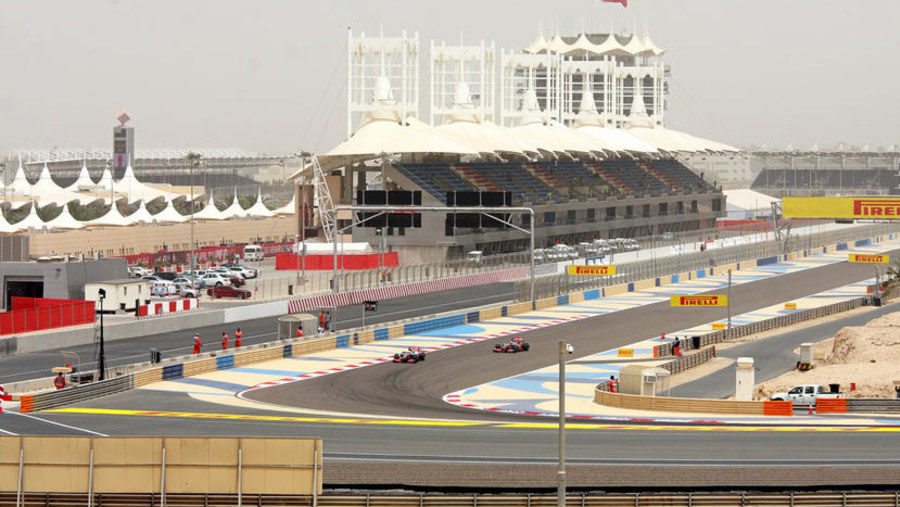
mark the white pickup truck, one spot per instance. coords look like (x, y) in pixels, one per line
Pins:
(806, 394)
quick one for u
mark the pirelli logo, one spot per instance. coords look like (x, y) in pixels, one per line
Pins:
(713, 300)
(841, 207)
(870, 259)
(876, 207)
(592, 270)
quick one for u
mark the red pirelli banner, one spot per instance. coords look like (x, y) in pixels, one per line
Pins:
(841, 207)
(713, 300)
(870, 259)
(592, 270)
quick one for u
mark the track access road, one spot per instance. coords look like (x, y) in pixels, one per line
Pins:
(416, 391)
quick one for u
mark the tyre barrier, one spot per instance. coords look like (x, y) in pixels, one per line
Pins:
(164, 307)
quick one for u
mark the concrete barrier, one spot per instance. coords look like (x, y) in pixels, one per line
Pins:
(692, 405)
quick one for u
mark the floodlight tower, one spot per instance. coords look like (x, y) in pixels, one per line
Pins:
(463, 82)
(382, 77)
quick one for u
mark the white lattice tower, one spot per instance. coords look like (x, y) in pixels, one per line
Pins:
(463, 81)
(323, 201)
(382, 76)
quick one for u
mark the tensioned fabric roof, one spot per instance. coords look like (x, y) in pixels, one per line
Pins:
(64, 220)
(259, 208)
(6, 227)
(141, 215)
(287, 209)
(171, 215)
(31, 220)
(383, 136)
(597, 44)
(210, 212)
(112, 218)
(235, 210)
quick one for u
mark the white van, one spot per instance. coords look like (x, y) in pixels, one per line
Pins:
(254, 253)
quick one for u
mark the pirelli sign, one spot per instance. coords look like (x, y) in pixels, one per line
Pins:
(841, 207)
(714, 300)
(870, 259)
(592, 270)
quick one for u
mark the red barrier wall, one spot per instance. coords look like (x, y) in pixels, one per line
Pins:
(36, 314)
(293, 262)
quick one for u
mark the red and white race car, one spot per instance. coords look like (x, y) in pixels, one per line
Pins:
(517, 344)
(411, 355)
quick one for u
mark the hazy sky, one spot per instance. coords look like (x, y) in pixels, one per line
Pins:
(268, 75)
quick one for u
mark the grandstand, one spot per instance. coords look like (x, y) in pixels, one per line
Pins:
(816, 172)
(581, 142)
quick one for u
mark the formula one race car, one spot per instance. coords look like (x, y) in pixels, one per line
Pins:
(411, 355)
(517, 344)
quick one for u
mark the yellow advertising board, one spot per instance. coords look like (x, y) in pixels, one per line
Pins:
(870, 259)
(710, 300)
(841, 207)
(592, 270)
(626, 352)
(718, 325)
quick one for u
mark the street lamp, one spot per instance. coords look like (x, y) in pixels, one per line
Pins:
(194, 160)
(101, 360)
(564, 348)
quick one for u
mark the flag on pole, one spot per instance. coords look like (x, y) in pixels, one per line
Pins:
(623, 2)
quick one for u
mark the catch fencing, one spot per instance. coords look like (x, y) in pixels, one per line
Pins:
(738, 250)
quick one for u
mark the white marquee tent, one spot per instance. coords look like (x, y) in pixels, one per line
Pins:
(259, 208)
(65, 220)
(170, 215)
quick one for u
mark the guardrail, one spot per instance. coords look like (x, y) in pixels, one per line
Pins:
(690, 361)
(75, 394)
(830, 499)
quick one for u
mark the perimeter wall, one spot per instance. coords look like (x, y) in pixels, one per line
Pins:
(231, 465)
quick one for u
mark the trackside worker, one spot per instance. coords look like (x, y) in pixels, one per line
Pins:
(197, 343)
(237, 338)
(299, 331)
(224, 340)
(612, 383)
(60, 381)
(322, 319)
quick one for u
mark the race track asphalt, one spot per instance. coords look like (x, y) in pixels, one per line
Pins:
(417, 390)
(135, 350)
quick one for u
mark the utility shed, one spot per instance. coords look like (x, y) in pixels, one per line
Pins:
(122, 294)
(644, 380)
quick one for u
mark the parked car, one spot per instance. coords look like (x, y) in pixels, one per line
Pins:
(139, 271)
(225, 291)
(244, 271)
(167, 275)
(214, 280)
(153, 278)
(186, 291)
(254, 253)
(189, 281)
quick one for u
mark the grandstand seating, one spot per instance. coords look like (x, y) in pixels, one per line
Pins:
(555, 181)
(436, 179)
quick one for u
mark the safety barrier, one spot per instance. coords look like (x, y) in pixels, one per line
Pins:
(75, 394)
(398, 291)
(168, 306)
(868, 405)
(690, 361)
(692, 405)
(702, 340)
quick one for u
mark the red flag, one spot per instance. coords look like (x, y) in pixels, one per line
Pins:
(623, 2)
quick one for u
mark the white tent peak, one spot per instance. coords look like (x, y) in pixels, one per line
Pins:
(259, 208)
(530, 105)
(32, 220)
(170, 214)
(638, 116)
(209, 212)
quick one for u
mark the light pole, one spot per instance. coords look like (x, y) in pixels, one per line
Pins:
(101, 359)
(728, 304)
(194, 160)
(564, 348)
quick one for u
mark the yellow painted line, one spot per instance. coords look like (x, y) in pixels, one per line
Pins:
(627, 427)
(245, 417)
